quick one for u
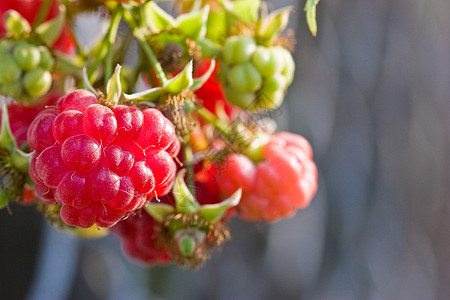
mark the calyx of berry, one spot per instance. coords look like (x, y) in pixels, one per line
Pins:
(185, 203)
(13, 164)
(15, 24)
(181, 82)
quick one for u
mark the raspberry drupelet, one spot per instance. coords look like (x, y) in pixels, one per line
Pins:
(100, 163)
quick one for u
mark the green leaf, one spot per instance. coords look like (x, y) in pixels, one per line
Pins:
(156, 18)
(184, 200)
(114, 87)
(198, 82)
(180, 82)
(274, 23)
(193, 24)
(244, 10)
(50, 30)
(310, 9)
(209, 48)
(15, 23)
(159, 211)
(215, 212)
(7, 139)
(150, 95)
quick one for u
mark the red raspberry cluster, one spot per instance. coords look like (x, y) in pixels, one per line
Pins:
(99, 163)
(284, 181)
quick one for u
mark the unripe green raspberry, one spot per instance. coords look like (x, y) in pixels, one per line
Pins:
(269, 100)
(27, 56)
(5, 47)
(238, 49)
(244, 78)
(289, 64)
(243, 100)
(274, 83)
(13, 90)
(47, 60)
(9, 69)
(37, 82)
(268, 61)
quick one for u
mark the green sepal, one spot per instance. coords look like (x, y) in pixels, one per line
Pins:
(150, 95)
(50, 30)
(209, 48)
(114, 87)
(181, 82)
(87, 84)
(310, 9)
(20, 160)
(16, 24)
(68, 65)
(184, 200)
(7, 139)
(193, 24)
(159, 211)
(215, 212)
(198, 82)
(244, 10)
(273, 24)
(156, 18)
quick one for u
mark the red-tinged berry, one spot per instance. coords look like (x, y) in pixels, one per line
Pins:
(100, 164)
(284, 181)
(139, 239)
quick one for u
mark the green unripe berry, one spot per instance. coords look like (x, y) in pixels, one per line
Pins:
(274, 83)
(243, 100)
(289, 64)
(238, 49)
(5, 47)
(47, 60)
(37, 82)
(9, 69)
(13, 90)
(269, 100)
(244, 78)
(27, 56)
(267, 61)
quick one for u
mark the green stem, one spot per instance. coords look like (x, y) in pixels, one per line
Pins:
(42, 13)
(110, 38)
(212, 119)
(189, 161)
(153, 61)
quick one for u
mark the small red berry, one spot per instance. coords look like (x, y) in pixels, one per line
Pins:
(286, 180)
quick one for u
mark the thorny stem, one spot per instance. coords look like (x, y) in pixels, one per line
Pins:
(189, 162)
(153, 60)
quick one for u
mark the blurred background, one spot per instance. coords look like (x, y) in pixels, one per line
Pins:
(372, 94)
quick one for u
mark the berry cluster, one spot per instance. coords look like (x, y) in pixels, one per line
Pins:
(25, 69)
(162, 162)
(255, 77)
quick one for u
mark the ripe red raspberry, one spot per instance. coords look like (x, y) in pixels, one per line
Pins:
(100, 164)
(274, 188)
(21, 116)
(139, 239)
